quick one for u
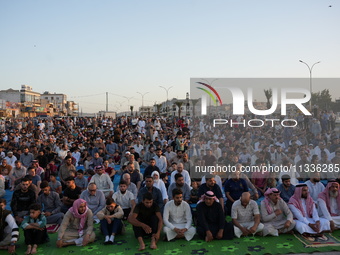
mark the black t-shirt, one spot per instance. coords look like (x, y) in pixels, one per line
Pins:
(72, 193)
(144, 213)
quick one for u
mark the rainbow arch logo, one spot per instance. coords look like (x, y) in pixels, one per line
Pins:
(210, 91)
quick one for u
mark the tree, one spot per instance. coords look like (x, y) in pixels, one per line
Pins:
(268, 93)
(322, 99)
(179, 105)
(131, 109)
(158, 106)
(194, 102)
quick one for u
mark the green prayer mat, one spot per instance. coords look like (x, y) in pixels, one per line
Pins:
(127, 244)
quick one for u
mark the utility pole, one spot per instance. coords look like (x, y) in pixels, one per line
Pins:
(107, 101)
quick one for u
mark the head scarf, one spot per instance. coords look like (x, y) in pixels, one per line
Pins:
(325, 196)
(208, 194)
(295, 200)
(76, 214)
(267, 199)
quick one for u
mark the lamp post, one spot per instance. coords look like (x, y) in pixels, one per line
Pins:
(142, 97)
(187, 103)
(310, 79)
(167, 96)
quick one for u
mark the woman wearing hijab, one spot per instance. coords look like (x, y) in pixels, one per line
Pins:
(77, 226)
(158, 183)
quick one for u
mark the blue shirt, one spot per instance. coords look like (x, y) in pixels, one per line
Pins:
(286, 194)
(235, 188)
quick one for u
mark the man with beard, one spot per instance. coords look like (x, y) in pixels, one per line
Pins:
(124, 198)
(308, 222)
(211, 185)
(21, 200)
(26, 157)
(160, 160)
(179, 184)
(151, 167)
(149, 188)
(329, 204)
(177, 218)
(71, 194)
(51, 204)
(286, 188)
(65, 170)
(103, 181)
(184, 173)
(146, 220)
(315, 187)
(211, 222)
(275, 214)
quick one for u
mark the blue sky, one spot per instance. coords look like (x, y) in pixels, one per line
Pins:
(86, 48)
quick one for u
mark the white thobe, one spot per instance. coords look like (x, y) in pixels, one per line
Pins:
(334, 210)
(302, 222)
(178, 217)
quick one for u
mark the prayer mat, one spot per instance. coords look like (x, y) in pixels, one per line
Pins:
(318, 242)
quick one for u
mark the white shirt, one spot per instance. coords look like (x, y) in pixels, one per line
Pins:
(185, 174)
(103, 182)
(161, 163)
(174, 214)
(124, 200)
(315, 189)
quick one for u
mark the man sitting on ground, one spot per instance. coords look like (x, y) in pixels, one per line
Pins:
(177, 218)
(276, 216)
(329, 204)
(211, 222)
(146, 220)
(246, 216)
(308, 222)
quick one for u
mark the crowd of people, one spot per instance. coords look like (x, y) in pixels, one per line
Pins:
(61, 174)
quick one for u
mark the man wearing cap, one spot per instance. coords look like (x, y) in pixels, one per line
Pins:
(308, 222)
(286, 189)
(103, 181)
(211, 222)
(329, 204)
(246, 216)
(275, 214)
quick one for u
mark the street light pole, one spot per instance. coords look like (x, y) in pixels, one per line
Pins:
(142, 97)
(310, 79)
(167, 96)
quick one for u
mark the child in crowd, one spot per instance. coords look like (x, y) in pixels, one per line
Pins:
(194, 192)
(54, 184)
(111, 220)
(116, 158)
(165, 179)
(34, 227)
(87, 163)
(50, 168)
(80, 180)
